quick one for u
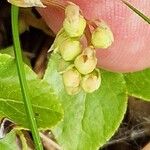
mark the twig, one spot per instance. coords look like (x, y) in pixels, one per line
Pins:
(49, 142)
(137, 11)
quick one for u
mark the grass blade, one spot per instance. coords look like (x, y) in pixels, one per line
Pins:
(147, 19)
(22, 78)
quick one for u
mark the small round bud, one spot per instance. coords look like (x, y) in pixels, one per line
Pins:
(86, 62)
(74, 24)
(91, 82)
(71, 78)
(102, 37)
(72, 90)
(72, 10)
(69, 49)
(75, 28)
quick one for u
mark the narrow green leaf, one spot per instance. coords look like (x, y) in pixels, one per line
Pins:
(138, 84)
(47, 109)
(90, 119)
(147, 19)
(22, 78)
(9, 142)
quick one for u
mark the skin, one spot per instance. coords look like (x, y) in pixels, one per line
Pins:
(131, 49)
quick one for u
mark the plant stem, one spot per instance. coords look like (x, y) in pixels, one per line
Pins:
(22, 78)
(137, 11)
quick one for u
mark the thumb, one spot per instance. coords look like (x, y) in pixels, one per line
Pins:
(130, 51)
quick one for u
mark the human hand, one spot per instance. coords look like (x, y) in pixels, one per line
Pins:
(130, 50)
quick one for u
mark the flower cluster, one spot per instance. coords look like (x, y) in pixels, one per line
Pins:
(82, 73)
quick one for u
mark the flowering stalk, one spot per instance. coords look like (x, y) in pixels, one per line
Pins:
(147, 19)
(22, 78)
(81, 72)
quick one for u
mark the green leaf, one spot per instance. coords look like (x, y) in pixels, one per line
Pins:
(9, 142)
(10, 51)
(138, 84)
(90, 119)
(147, 19)
(46, 107)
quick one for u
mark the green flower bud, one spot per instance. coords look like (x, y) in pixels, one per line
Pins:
(72, 10)
(71, 78)
(74, 24)
(102, 37)
(91, 82)
(73, 90)
(86, 62)
(69, 49)
(74, 28)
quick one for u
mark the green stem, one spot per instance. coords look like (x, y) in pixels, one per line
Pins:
(137, 12)
(22, 78)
